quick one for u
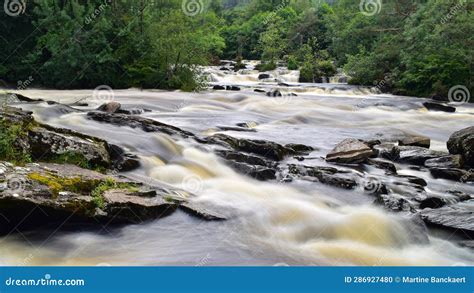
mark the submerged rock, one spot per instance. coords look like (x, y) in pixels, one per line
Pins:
(350, 151)
(439, 107)
(462, 143)
(218, 87)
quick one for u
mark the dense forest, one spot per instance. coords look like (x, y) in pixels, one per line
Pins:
(406, 47)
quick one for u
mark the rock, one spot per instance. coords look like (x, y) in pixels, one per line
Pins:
(259, 91)
(462, 143)
(274, 93)
(453, 174)
(326, 175)
(420, 141)
(395, 203)
(387, 151)
(8, 98)
(267, 149)
(257, 172)
(111, 107)
(47, 143)
(236, 128)
(432, 203)
(439, 107)
(38, 195)
(452, 161)
(218, 87)
(417, 155)
(232, 88)
(458, 218)
(123, 161)
(300, 148)
(147, 125)
(413, 179)
(245, 158)
(389, 167)
(350, 151)
(373, 142)
(224, 69)
(264, 76)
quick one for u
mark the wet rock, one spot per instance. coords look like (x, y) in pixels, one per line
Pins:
(381, 164)
(259, 91)
(274, 93)
(350, 151)
(218, 87)
(452, 161)
(458, 218)
(462, 143)
(420, 141)
(432, 203)
(373, 142)
(453, 174)
(235, 128)
(326, 175)
(264, 76)
(413, 179)
(123, 161)
(395, 203)
(264, 148)
(147, 125)
(387, 151)
(245, 158)
(198, 210)
(299, 148)
(111, 107)
(255, 171)
(432, 106)
(38, 195)
(232, 88)
(417, 155)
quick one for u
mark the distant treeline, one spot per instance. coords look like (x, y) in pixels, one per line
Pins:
(406, 47)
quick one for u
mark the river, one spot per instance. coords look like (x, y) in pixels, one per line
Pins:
(271, 223)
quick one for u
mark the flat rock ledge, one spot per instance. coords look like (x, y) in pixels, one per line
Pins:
(45, 195)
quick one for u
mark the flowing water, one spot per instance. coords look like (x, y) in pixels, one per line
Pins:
(270, 223)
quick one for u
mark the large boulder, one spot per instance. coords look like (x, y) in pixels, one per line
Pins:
(462, 143)
(350, 151)
(39, 195)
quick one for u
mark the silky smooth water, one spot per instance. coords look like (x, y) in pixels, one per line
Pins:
(270, 223)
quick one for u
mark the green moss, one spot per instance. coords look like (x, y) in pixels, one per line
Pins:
(96, 188)
(10, 134)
